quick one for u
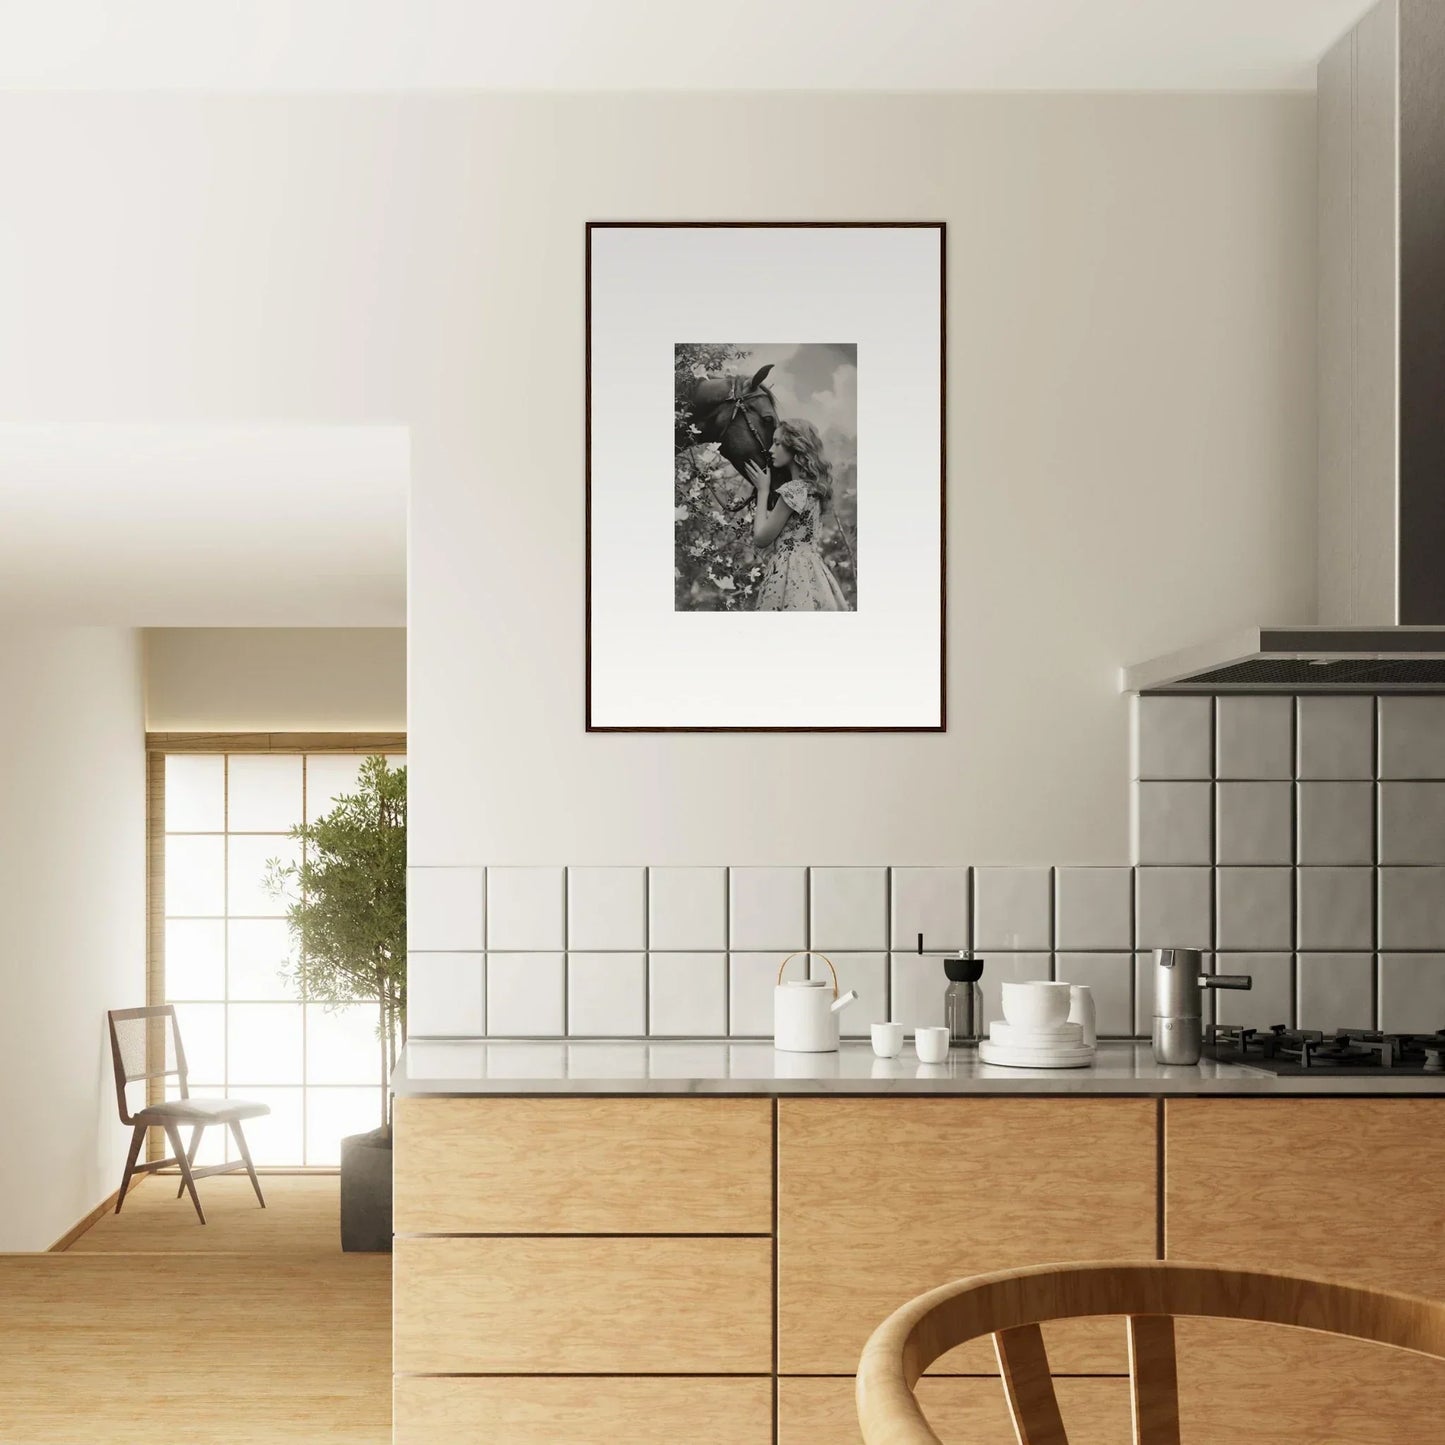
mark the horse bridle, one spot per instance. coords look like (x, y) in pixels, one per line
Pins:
(739, 399)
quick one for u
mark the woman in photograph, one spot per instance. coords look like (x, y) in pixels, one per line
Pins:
(790, 499)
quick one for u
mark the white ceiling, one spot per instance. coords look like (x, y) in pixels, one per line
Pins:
(336, 45)
(158, 526)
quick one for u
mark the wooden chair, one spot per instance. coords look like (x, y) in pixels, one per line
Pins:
(145, 1043)
(1010, 1306)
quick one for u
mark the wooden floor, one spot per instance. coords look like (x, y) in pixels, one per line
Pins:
(252, 1330)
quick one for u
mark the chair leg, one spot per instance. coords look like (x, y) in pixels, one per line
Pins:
(191, 1155)
(246, 1156)
(137, 1138)
(173, 1133)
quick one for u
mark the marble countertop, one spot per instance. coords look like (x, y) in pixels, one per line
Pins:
(723, 1066)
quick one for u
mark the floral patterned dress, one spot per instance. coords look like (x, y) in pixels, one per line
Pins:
(795, 578)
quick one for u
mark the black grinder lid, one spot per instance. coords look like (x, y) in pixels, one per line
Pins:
(963, 969)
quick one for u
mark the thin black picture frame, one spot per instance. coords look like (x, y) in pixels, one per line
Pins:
(942, 228)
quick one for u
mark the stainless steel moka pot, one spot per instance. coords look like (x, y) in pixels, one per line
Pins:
(1179, 984)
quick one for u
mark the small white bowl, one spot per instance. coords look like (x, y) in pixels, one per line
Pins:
(1035, 1006)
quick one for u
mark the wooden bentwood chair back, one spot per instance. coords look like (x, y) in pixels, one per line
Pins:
(1011, 1305)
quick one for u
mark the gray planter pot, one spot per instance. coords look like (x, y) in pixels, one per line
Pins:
(366, 1192)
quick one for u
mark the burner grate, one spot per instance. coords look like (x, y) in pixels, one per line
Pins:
(1282, 1049)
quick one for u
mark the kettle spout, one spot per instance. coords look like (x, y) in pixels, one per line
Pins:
(841, 1003)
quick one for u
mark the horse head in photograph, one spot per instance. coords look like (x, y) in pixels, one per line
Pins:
(738, 413)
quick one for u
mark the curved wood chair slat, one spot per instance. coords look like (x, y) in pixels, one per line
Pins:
(1012, 1304)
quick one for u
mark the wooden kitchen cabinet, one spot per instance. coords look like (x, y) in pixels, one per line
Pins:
(577, 1306)
(560, 1411)
(880, 1199)
(583, 1166)
(1352, 1189)
(815, 1411)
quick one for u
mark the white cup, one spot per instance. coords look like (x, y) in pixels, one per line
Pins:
(932, 1044)
(1081, 1011)
(887, 1040)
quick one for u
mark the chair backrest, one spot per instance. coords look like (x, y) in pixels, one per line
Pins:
(1011, 1305)
(145, 1044)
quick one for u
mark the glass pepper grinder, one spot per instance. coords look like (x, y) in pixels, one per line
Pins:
(963, 999)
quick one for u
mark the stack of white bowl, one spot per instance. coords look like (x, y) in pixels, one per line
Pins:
(1035, 1032)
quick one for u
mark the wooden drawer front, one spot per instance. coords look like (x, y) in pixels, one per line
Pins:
(541, 1411)
(1353, 1189)
(1273, 1386)
(1096, 1412)
(583, 1166)
(570, 1306)
(881, 1199)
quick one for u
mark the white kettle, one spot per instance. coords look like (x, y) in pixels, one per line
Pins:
(805, 1011)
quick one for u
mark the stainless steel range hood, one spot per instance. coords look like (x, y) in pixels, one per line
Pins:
(1302, 659)
(1381, 385)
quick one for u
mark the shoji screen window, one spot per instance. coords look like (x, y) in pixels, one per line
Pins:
(229, 964)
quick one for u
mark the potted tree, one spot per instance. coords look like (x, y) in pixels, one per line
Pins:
(347, 914)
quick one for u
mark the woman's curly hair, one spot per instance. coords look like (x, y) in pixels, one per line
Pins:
(810, 466)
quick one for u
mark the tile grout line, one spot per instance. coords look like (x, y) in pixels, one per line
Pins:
(727, 1019)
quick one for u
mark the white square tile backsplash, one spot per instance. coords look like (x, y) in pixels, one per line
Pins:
(767, 908)
(933, 902)
(688, 994)
(445, 995)
(1412, 988)
(687, 908)
(445, 909)
(1012, 908)
(1173, 737)
(526, 994)
(848, 908)
(1093, 908)
(606, 908)
(606, 995)
(1318, 824)
(1412, 737)
(1173, 823)
(526, 909)
(1254, 737)
(1334, 990)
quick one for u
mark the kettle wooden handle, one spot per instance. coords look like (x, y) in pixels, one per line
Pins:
(810, 953)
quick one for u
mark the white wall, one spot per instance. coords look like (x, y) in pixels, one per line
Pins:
(1131, 410)
(72, 894)
(287, 679)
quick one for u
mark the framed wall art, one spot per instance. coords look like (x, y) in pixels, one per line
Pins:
(765, 476)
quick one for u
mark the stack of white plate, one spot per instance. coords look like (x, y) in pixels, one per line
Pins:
(1058, 1048)
(1034, 1033)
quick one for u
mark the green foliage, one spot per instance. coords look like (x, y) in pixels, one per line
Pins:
(715, 568)
(347, 900)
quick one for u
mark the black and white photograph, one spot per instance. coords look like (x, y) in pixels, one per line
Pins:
(765, 477)
(765, 524)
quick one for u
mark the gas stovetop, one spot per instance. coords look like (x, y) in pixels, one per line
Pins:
(1281, 1050)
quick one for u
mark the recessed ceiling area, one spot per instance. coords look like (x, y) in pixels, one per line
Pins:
(204, 526)
(351, 45)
